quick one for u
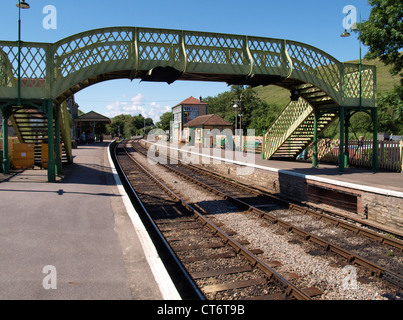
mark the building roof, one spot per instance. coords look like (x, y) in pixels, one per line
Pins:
(93, 116)
(208, 120)
(190, 101)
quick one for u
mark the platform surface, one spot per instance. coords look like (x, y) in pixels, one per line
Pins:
(79, 226)
(363, 177)
(389, 183)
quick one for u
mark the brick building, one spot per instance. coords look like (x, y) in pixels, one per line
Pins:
(184, 112)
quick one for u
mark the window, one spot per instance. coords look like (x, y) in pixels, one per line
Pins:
(177, 117)
(177, 114)
(190, 113)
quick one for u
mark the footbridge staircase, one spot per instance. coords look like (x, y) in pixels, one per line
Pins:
(311, 111)
(31, 126)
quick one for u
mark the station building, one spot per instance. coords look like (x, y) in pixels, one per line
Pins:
(184, 112)
(205, 126)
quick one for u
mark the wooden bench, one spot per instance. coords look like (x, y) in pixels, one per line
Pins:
(254, 146)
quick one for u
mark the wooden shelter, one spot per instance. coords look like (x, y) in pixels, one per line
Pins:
(90, 126)
(205, 126)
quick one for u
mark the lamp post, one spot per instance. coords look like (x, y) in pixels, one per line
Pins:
(8, 110)
(346, 34)
(21, 5)
(344, 113)
(238, 104)
(236, 114)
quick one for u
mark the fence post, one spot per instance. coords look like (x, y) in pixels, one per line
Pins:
(375, 156)
(401, 155)
(341, 146)
(264, 131)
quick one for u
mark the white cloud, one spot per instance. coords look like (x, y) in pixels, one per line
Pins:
(137, 105)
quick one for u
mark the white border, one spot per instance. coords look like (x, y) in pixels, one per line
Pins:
(161, 276)
(350, 185)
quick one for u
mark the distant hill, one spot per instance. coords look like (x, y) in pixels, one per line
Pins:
(279, 96)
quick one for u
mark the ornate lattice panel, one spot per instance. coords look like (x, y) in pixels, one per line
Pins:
(286, 123)
(6, 73)
(33, 63)
(158, 47)
(218, 53)
(91, 49)
(316, 67)
(352, 84)
(269, 56)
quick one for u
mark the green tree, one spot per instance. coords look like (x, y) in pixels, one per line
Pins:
(256, 114)
(136, 125)
(390, 111)
(129, 125)
(383, 33)
(263, 116)
(118, 124)
(165, 121)
(221, 105)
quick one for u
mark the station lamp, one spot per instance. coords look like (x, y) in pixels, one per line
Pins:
(345, 34)
(21, 5)
(294, 95)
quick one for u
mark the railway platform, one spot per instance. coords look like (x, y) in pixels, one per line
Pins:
(78, 238)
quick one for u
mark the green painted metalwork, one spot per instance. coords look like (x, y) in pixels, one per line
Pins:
(285, 125)
(55, 71)
(65, 131)
(6, 161)
(57, 142)
(315, 139)
(51, 156)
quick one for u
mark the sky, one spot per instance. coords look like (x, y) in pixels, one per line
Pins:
(314, 22)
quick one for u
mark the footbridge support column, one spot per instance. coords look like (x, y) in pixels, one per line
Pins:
(51, 153)
(58, 160)
(6, 161)
(341, 146)
(315, 161)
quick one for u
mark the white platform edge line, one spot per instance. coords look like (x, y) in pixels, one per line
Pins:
(161, 276)
(301, 175)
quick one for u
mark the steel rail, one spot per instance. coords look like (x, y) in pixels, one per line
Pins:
(326, 215)
(289, 289)
(198, 294)
(374, 268)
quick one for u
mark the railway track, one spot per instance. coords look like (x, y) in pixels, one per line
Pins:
(261, 204)
(220, 265)
(238, 189)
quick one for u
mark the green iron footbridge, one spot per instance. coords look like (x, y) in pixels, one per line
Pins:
(322, 88)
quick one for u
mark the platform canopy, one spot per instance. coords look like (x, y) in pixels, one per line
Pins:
(93, 116)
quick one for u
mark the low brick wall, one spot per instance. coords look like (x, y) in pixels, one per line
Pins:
(381, 209)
